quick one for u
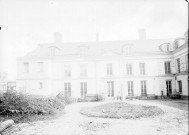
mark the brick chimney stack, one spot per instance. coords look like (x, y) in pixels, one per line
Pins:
(97, 36)
(57, 37)
(142, 34)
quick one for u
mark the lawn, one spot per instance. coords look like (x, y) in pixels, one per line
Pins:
(121, 110)
(179, 104)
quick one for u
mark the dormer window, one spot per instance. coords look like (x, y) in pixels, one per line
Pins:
(126, 50)
(54, 50)
(83, 51)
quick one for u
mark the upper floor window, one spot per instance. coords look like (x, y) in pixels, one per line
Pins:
(109, 69)
(126, 50)
(178, 65)
(142, 68)
(83, 70)
(167, 65)
(40, 66)
(67, 70)
(129, 69)
(26, 67)
(82, 51)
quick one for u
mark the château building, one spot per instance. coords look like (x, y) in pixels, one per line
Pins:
(142, 67)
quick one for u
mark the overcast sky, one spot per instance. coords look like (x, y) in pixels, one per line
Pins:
(26, 23)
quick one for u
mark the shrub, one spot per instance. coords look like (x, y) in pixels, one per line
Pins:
(13, 103)
(61, 96)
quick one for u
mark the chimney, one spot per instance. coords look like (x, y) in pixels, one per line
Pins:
(57, 37)
(97, 36)
(142, 34)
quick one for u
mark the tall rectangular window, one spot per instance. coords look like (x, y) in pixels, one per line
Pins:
(26, 67)
(40, 85)
(67, 71)
(110, 88)
(83, 51)
(169, 87)
(178, 65)
(167, 65)
(180, 86)
(143, 88)
(83, 70)
(83, 88)
(129, 69)
(109, 69)
(40, 66)
(126, 50)
(142, 68)
(186, 57)
(130, 88)
(67, 89)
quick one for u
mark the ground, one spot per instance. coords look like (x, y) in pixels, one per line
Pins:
(173, 122)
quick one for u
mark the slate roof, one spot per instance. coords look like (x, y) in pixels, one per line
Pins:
(99, 48)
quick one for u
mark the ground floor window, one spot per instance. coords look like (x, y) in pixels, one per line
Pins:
(168, 87)
(83, 87)
(130, 88)
(67, 89)
(110, 88)
(180, 86)
(143, 88)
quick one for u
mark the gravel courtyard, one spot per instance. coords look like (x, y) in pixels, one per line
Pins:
(173, 122)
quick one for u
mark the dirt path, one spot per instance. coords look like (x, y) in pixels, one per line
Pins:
(173, 122)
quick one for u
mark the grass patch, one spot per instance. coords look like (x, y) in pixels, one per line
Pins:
(122, 110)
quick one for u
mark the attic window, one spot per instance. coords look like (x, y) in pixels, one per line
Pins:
(53, 50)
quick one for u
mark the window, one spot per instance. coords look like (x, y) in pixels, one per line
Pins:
(129, 69)
(167, 65)
(130, 88)
(169, 87)
(83, 51)
(40, 85)
(178, 65)
(83, 87)
(110, 88)
(126, 50)
(186, 62)
(143, 88)
(83, 70)
(109, 69)
(53, 50)
(67, 71)
(40, 66)
(67, 89)
(180, 86)
(142, 68)
(26, 67)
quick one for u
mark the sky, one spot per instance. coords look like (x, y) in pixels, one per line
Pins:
(27, 23)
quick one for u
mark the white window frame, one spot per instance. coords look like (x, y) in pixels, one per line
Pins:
(67, 89)
(129, 69)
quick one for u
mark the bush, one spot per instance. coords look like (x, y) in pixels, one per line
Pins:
(14, 104)
(61, 96)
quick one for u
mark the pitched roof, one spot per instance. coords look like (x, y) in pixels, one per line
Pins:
(99, 48)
